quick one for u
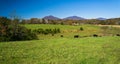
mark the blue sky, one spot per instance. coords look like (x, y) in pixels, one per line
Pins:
(61, 8)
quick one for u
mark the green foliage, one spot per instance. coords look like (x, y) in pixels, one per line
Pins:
(21, 33)
(11, 31)
(81, 29)
(47, 31)
(62, 23)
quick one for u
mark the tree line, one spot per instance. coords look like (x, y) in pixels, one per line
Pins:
(113, 21)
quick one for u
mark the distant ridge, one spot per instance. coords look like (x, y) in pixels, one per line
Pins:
(50, 17)
(101, 18)
(74, 18)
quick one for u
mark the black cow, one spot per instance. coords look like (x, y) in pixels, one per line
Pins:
(61, 35)
(95, 35)
(117, 34)
(76, 36)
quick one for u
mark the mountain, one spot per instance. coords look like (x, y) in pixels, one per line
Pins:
(50, 17)
(74, 18)
(101, 18)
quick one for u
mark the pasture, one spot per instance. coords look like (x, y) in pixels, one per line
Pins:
(65, 50)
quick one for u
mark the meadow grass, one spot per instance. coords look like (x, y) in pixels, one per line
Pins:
(62, 50)
(68, 30)
(101, 50)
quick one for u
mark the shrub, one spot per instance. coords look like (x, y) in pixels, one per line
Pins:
(81, 29)
(10, 32)
(23, 33)
(47, 31)
(58, 30)
(38, 31)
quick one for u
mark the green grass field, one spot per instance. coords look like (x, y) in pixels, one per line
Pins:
(67, 30)
(63, 50)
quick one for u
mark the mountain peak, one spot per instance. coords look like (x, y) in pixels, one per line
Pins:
(74, 18)
(51, 17)
(100, 18)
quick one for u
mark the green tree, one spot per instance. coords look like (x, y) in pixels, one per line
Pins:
(10, 31)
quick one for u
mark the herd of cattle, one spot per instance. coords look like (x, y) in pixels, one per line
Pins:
(94, 35)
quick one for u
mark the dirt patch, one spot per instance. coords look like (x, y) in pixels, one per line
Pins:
(118, 26)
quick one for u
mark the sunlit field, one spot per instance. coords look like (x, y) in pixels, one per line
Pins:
(50, 49)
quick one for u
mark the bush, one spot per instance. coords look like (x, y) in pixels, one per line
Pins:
(81, 29)
(38, 31)
(47, 31)
(10, 32)
(23, 33)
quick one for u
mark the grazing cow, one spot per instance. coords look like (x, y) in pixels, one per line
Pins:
(61, 35)
(52, 34)
(76, 36)
(117, 34)
(95, 35)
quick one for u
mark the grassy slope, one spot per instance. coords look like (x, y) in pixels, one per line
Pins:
(67, 30)
(66, 50)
